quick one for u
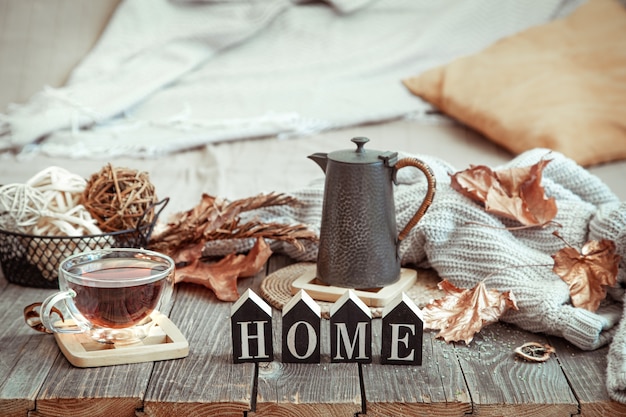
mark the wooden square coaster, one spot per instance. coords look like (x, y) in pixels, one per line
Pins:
(164, 341)
(372, 298)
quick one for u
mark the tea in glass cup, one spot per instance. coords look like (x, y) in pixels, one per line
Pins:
(110, 293)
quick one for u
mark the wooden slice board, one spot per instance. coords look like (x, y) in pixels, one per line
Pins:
(277, 288)
(163, 342)
(372, 298)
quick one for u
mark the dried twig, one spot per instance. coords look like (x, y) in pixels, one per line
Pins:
(272, 231)
(218, 219)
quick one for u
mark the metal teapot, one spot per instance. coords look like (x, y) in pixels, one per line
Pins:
(358, 237)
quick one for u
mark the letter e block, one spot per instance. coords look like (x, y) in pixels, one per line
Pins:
(402, 333)
(301, 329)
(251, 328)
(350, 330)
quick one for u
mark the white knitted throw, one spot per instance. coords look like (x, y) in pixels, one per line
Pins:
(172, 75)
(454, 239)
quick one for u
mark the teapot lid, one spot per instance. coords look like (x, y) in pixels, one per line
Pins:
(360, 155)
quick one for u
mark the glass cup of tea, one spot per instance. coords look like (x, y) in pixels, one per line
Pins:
(110, 293)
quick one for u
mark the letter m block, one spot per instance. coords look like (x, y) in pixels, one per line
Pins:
(251, 328)
(350, 330)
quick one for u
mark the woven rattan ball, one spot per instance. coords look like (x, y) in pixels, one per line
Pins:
(21, 207)
(120, 198)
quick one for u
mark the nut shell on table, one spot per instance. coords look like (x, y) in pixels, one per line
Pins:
(534, 351)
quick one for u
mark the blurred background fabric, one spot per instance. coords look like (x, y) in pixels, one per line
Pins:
(172, 75)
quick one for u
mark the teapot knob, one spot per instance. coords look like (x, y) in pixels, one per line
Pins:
(360, 142)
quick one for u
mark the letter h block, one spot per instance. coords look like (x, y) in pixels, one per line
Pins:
(351, 330)
(251, 328)
(402, 334)
(301, 329)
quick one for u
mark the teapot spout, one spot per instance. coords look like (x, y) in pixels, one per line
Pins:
(321, 159)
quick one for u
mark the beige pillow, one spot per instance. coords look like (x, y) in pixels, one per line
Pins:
(561, 86)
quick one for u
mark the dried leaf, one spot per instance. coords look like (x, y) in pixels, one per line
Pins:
(185, 236)
(189, 253)
(462, 313)
(254, 261)
(514, 193)
(213, 219)
(221, 277)
(588, 272)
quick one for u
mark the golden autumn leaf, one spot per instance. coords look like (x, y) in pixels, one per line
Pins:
(588, 272)
(221, 277)
(514, 193)
(462, 313)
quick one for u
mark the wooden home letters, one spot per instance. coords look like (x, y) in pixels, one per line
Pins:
(402, 335)
(301, 329)
(251, 328)
(350, 330)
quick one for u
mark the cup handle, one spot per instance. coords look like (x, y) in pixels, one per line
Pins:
(46, 312)
(428, 199)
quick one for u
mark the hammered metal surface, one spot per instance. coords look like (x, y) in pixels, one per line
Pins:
(358, 236)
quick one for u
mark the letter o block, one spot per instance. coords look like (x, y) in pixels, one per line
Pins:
(301, 329)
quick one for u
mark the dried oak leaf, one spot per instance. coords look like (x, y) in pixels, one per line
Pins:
(514, 193)
(462, 313)
(588, 272)
(221, 277)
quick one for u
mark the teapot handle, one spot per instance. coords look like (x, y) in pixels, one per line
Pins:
(430, 177)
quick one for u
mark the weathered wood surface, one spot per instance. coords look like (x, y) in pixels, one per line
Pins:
(483, 379)
(436, 388)
(585, 372)
(104, 391)
(206, 382)
(25, 357)
(302, 390)
(500, 384)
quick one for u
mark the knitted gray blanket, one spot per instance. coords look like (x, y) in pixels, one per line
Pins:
(465, 244)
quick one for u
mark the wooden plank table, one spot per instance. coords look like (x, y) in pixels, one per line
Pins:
(483, 379)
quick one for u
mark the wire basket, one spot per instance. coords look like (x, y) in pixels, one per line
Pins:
(33, 261)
